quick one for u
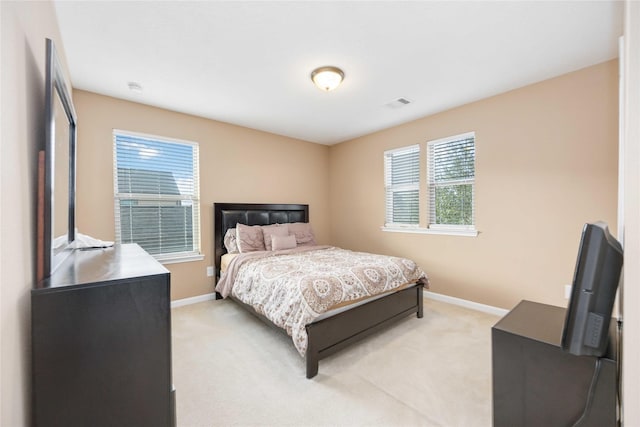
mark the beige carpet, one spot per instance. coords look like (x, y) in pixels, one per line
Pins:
(231, 369)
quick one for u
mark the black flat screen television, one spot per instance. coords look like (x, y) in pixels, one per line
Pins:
(595, 282)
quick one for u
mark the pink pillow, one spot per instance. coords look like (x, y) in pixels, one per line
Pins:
(283, 242)
(303, 232)
(273, 230)
(249, 238)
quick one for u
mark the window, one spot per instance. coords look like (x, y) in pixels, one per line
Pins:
(451, 171)
(157, 195)
(402, 186)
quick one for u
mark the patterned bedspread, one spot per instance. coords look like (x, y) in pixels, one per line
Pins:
(293, 287)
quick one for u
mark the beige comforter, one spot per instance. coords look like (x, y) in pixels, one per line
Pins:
(293, 287)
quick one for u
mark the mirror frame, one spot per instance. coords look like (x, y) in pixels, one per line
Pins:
(55, 83)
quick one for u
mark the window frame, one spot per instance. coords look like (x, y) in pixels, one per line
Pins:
(392, 188)
(425, 198)
(456, 229)
(166, 257)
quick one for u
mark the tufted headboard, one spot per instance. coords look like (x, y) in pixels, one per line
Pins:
(227, 215)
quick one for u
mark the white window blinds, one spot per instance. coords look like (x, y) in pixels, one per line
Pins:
(402, 186)
(451, 171)
(157, 194)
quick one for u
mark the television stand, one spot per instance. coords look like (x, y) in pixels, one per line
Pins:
(536, 383)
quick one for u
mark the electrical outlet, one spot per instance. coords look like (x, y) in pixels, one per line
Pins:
(567, 291)
(210, 271)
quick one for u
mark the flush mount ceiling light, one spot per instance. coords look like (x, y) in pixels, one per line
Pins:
(135, 87)
(327, 78)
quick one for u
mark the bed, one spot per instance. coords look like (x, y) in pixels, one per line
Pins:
(329, 333)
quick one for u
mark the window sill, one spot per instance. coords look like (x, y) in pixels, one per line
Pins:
(419, 230)
(169, 259)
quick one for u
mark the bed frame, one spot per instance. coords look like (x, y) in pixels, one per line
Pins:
(331, 334)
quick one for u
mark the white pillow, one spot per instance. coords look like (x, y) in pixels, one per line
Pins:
(283, 242)
(230, 241)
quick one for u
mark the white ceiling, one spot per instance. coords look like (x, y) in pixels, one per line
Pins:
(249, 63)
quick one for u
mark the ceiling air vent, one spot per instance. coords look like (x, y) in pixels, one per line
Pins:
(397, 103)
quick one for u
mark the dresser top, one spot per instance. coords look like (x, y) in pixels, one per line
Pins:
(544, 323)
(541, 322)
(86, 267)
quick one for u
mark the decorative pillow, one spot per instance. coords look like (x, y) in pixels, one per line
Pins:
(249, 238)
(230, 241)
(303, 232)
(273, 230)
(283, 242)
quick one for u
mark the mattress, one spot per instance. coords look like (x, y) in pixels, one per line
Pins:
(225, 260)
(296, 287)
(351, 304)
(339, 308)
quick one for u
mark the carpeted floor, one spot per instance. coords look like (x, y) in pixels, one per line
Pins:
(231, 369)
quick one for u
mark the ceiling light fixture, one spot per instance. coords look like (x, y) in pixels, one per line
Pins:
(135, 87)
(327, 78)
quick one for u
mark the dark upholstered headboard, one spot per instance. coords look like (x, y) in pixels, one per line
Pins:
(227, 215)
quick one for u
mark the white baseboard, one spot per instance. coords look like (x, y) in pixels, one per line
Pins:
(466, 303)
(192, 300)
(427, 294)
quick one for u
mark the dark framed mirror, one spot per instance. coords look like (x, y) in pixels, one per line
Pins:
(59, 166)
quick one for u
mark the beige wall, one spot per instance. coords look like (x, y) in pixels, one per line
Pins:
(236, 165)
(25, 25)
(546, 162)
(573, 114)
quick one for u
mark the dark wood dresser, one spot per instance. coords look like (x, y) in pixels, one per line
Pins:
(536, 383)
(101, 341)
